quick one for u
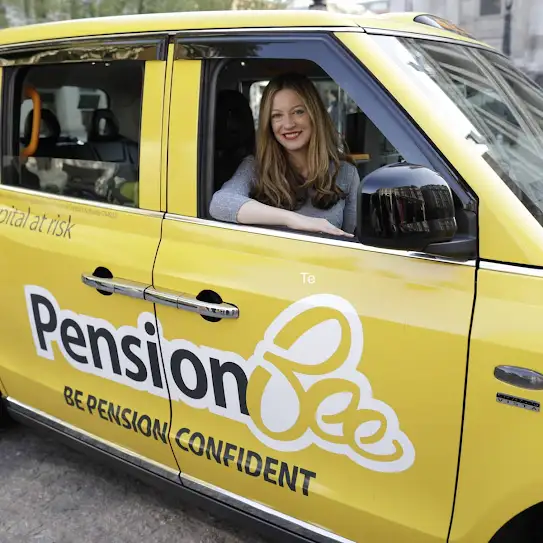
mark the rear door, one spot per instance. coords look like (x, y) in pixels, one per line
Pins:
(80, 224)
(314, 381)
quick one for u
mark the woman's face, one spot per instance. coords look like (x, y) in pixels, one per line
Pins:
(290, 121)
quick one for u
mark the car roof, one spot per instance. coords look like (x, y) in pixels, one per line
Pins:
(405, 22)
(227, 20)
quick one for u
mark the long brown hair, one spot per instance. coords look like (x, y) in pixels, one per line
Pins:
(278, 184)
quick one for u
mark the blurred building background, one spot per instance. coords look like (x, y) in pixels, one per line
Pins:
(513, 26)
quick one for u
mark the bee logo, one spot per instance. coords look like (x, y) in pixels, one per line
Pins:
(306, 388)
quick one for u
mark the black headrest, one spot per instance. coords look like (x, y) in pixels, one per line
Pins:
(234, 122)
(104, 126)
(49, 126)
(355, 131)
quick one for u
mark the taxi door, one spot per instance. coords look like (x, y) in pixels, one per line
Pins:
(79, 237)
(316, 382)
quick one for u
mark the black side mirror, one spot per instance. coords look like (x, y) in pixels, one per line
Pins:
(405, 207)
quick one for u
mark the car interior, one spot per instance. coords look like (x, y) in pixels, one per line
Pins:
(88, 144)
(238, 90)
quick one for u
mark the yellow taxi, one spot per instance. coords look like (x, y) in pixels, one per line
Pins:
(384, 388)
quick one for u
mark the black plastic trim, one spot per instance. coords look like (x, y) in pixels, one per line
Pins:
(459, 247)
(6, 421)
(11, 88)
(206, 145)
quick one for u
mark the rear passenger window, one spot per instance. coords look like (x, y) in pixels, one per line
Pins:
(74, 130)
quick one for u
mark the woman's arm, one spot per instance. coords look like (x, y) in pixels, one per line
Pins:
(226, 202)
(232, 204)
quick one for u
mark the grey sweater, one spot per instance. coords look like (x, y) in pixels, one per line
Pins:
(227, 201)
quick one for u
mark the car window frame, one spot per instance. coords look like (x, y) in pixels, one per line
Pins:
(324, 48)
(82, 49)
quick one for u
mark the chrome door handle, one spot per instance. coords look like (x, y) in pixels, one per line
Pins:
(115, 286)
(148, 293)
(191, 303)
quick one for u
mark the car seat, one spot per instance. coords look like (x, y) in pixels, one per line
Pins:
(49, 133)
(108, 143)
(112, 148)
(234, 134)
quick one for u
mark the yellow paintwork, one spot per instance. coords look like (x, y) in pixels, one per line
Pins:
(421, 381)
(166, 129)
(501, 453)
(415, 313)
(123, 241)
(183, 145)
(151, 186)
(163, 22)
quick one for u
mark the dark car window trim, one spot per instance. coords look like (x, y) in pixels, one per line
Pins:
(327, 51)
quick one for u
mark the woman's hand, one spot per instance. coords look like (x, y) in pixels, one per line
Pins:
(297, 221)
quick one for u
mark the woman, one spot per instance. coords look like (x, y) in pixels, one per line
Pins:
(299, 178)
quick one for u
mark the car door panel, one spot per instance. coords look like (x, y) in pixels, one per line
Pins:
(333, 340)
(75, 353)
(407, 352)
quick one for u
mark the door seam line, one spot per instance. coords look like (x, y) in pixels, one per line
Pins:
(462, 421)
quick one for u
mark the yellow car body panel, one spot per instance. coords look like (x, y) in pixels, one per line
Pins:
(165, 129)
(50, 242)
(152, 191)
(183, 147)
(407, 322)
(365, 499)
(178, 21)
(128, 24)
(51, 276)
(501, 450)
(263, 276)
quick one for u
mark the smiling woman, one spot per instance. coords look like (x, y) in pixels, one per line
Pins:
(291, 125)
(299, 177)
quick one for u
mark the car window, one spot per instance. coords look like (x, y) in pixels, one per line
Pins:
(238, 92)
(234, 166)
(89, 131)
(482, 97)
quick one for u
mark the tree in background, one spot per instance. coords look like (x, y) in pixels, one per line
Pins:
(21, 12)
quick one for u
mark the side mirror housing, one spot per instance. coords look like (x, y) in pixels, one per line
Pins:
(405, 207)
